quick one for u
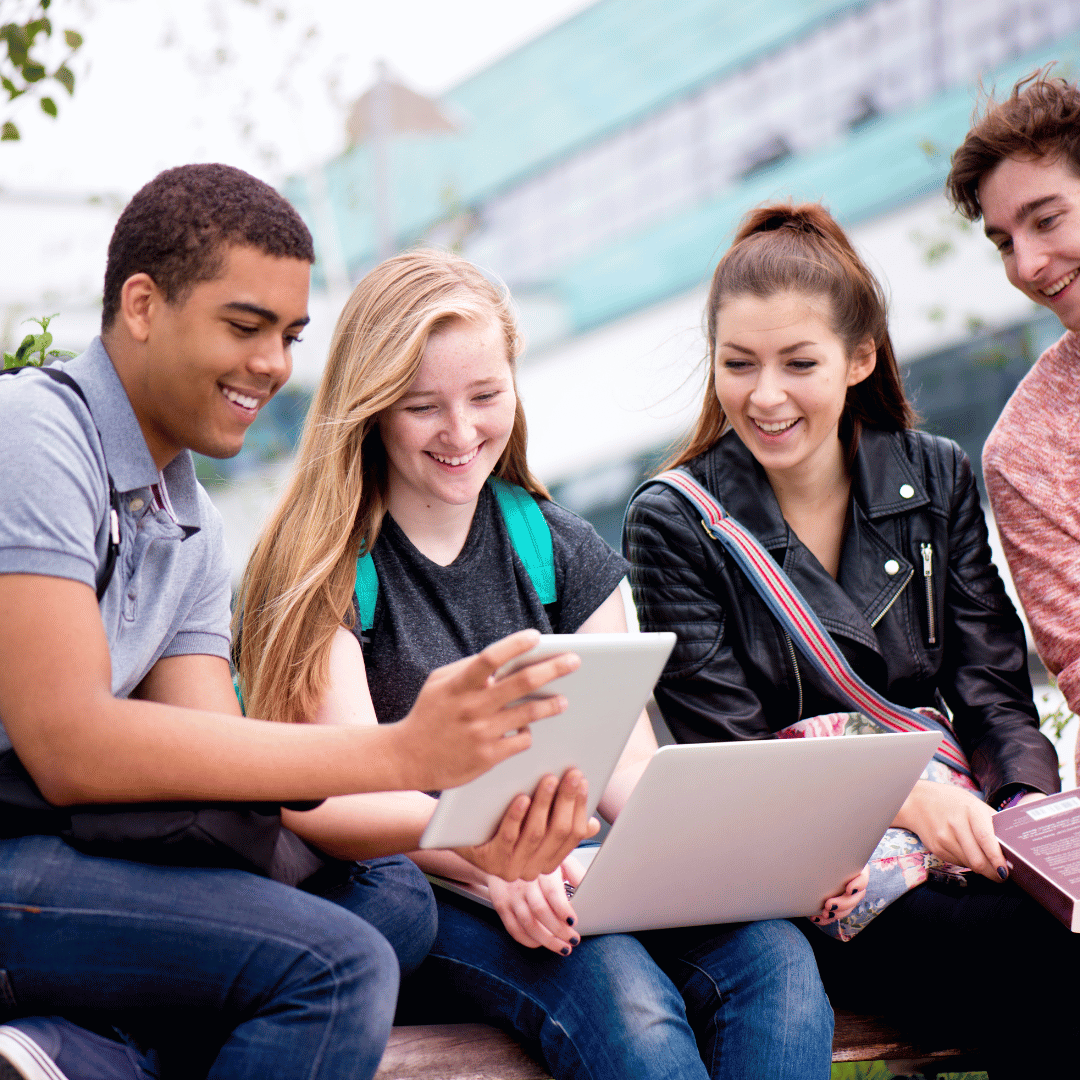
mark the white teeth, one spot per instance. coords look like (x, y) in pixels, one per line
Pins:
(1054, 289)
(240, 399)
(455, 460)
(773, 429)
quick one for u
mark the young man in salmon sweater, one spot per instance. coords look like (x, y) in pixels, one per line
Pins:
(1019, 170)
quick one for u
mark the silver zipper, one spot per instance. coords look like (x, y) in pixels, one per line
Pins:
(798, 677)
(896, 596)
(928, 577)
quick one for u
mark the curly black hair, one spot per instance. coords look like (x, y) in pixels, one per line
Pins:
(177, 229)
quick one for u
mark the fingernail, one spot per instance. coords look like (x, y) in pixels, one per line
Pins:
(814, 918)
(566, 950)
(833, 907)
(1002, 873)
(569, 920)
(575, 941)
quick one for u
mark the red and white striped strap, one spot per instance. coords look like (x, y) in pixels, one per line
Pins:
(801, 623)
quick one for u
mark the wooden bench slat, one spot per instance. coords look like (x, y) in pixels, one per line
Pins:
(456, 1052)
(480, 1052)
(863, 1037)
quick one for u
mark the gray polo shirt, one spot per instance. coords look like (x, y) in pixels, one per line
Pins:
(170, 591)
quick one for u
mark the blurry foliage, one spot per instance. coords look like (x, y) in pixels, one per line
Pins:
(23, 66)
(1055, 721)
(876, 1070)
(36, 344)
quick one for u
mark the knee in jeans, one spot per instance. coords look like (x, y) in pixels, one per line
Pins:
(785, 960)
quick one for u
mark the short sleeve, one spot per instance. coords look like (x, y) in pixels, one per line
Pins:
(587, 569)
(205, 629)
(52, 501)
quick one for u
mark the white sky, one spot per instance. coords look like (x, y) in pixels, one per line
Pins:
(262, 84)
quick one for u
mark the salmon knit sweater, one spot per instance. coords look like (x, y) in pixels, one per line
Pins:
(1032, 466)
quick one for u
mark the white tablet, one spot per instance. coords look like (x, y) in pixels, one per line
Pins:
(606, 695)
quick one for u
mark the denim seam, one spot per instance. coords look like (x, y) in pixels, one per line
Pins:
(517, 989)
(722, 1000)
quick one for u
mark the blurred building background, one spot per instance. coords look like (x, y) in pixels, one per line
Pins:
(600, 170)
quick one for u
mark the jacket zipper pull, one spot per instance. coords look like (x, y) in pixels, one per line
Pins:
(928, 577)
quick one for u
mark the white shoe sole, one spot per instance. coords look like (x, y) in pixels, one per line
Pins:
(26, 1057)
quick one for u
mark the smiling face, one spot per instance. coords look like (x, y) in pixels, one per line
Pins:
(1031, 211)
(781, 378)
(207, 365)
(445, 435)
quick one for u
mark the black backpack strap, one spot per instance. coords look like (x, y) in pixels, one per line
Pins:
(113, 550)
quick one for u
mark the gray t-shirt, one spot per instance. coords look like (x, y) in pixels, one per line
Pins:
(170, 591)
(429, 615)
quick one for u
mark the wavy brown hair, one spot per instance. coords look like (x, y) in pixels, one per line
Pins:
(298, 585)
(801, 249)
(1040, 118)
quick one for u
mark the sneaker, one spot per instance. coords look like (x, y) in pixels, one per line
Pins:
(53, 1048)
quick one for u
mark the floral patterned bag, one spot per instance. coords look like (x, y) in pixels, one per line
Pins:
(900, 862)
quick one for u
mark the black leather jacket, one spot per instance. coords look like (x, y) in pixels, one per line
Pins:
(917, 607)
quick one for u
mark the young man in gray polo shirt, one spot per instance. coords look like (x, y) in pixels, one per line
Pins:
(130, 700)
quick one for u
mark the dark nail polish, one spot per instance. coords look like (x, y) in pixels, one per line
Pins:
(566, 950)
(1002, 873)
(569, 920)
(832, 908)
(575, 941)
(815, 919)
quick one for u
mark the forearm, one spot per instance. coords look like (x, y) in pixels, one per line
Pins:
(136, 751)
(449, 864)
(635, 759)
(354, 827)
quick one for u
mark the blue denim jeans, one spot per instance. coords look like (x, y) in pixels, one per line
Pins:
(714, 1002)
(248, 976)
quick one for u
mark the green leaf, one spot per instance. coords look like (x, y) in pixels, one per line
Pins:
(18, 44)
(9, 361)
(73, 38)
(22, 353)
(61, 354)
(8, 132)
(8, 85)
(48, 106)
(33, 71)
(65, 77)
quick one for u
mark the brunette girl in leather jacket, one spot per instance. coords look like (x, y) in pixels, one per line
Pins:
(805, 437)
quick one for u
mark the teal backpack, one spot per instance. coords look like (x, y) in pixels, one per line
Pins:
(529, 534)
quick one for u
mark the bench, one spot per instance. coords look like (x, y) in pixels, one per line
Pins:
(480, 1052)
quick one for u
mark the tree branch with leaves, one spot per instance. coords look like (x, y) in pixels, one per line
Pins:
(23, 67)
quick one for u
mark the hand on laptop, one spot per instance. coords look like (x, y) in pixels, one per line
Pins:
(536, 835)
(844, 903)
(538, 913)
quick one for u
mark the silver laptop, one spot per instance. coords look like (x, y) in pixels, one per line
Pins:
(733, 832)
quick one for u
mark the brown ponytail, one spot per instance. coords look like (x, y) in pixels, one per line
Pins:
(788, 248)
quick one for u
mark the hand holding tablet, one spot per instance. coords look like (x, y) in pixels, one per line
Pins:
(605, 696)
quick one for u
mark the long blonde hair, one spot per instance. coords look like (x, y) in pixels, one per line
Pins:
(298, 585)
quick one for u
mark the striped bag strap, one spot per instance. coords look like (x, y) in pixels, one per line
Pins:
(805, 629)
